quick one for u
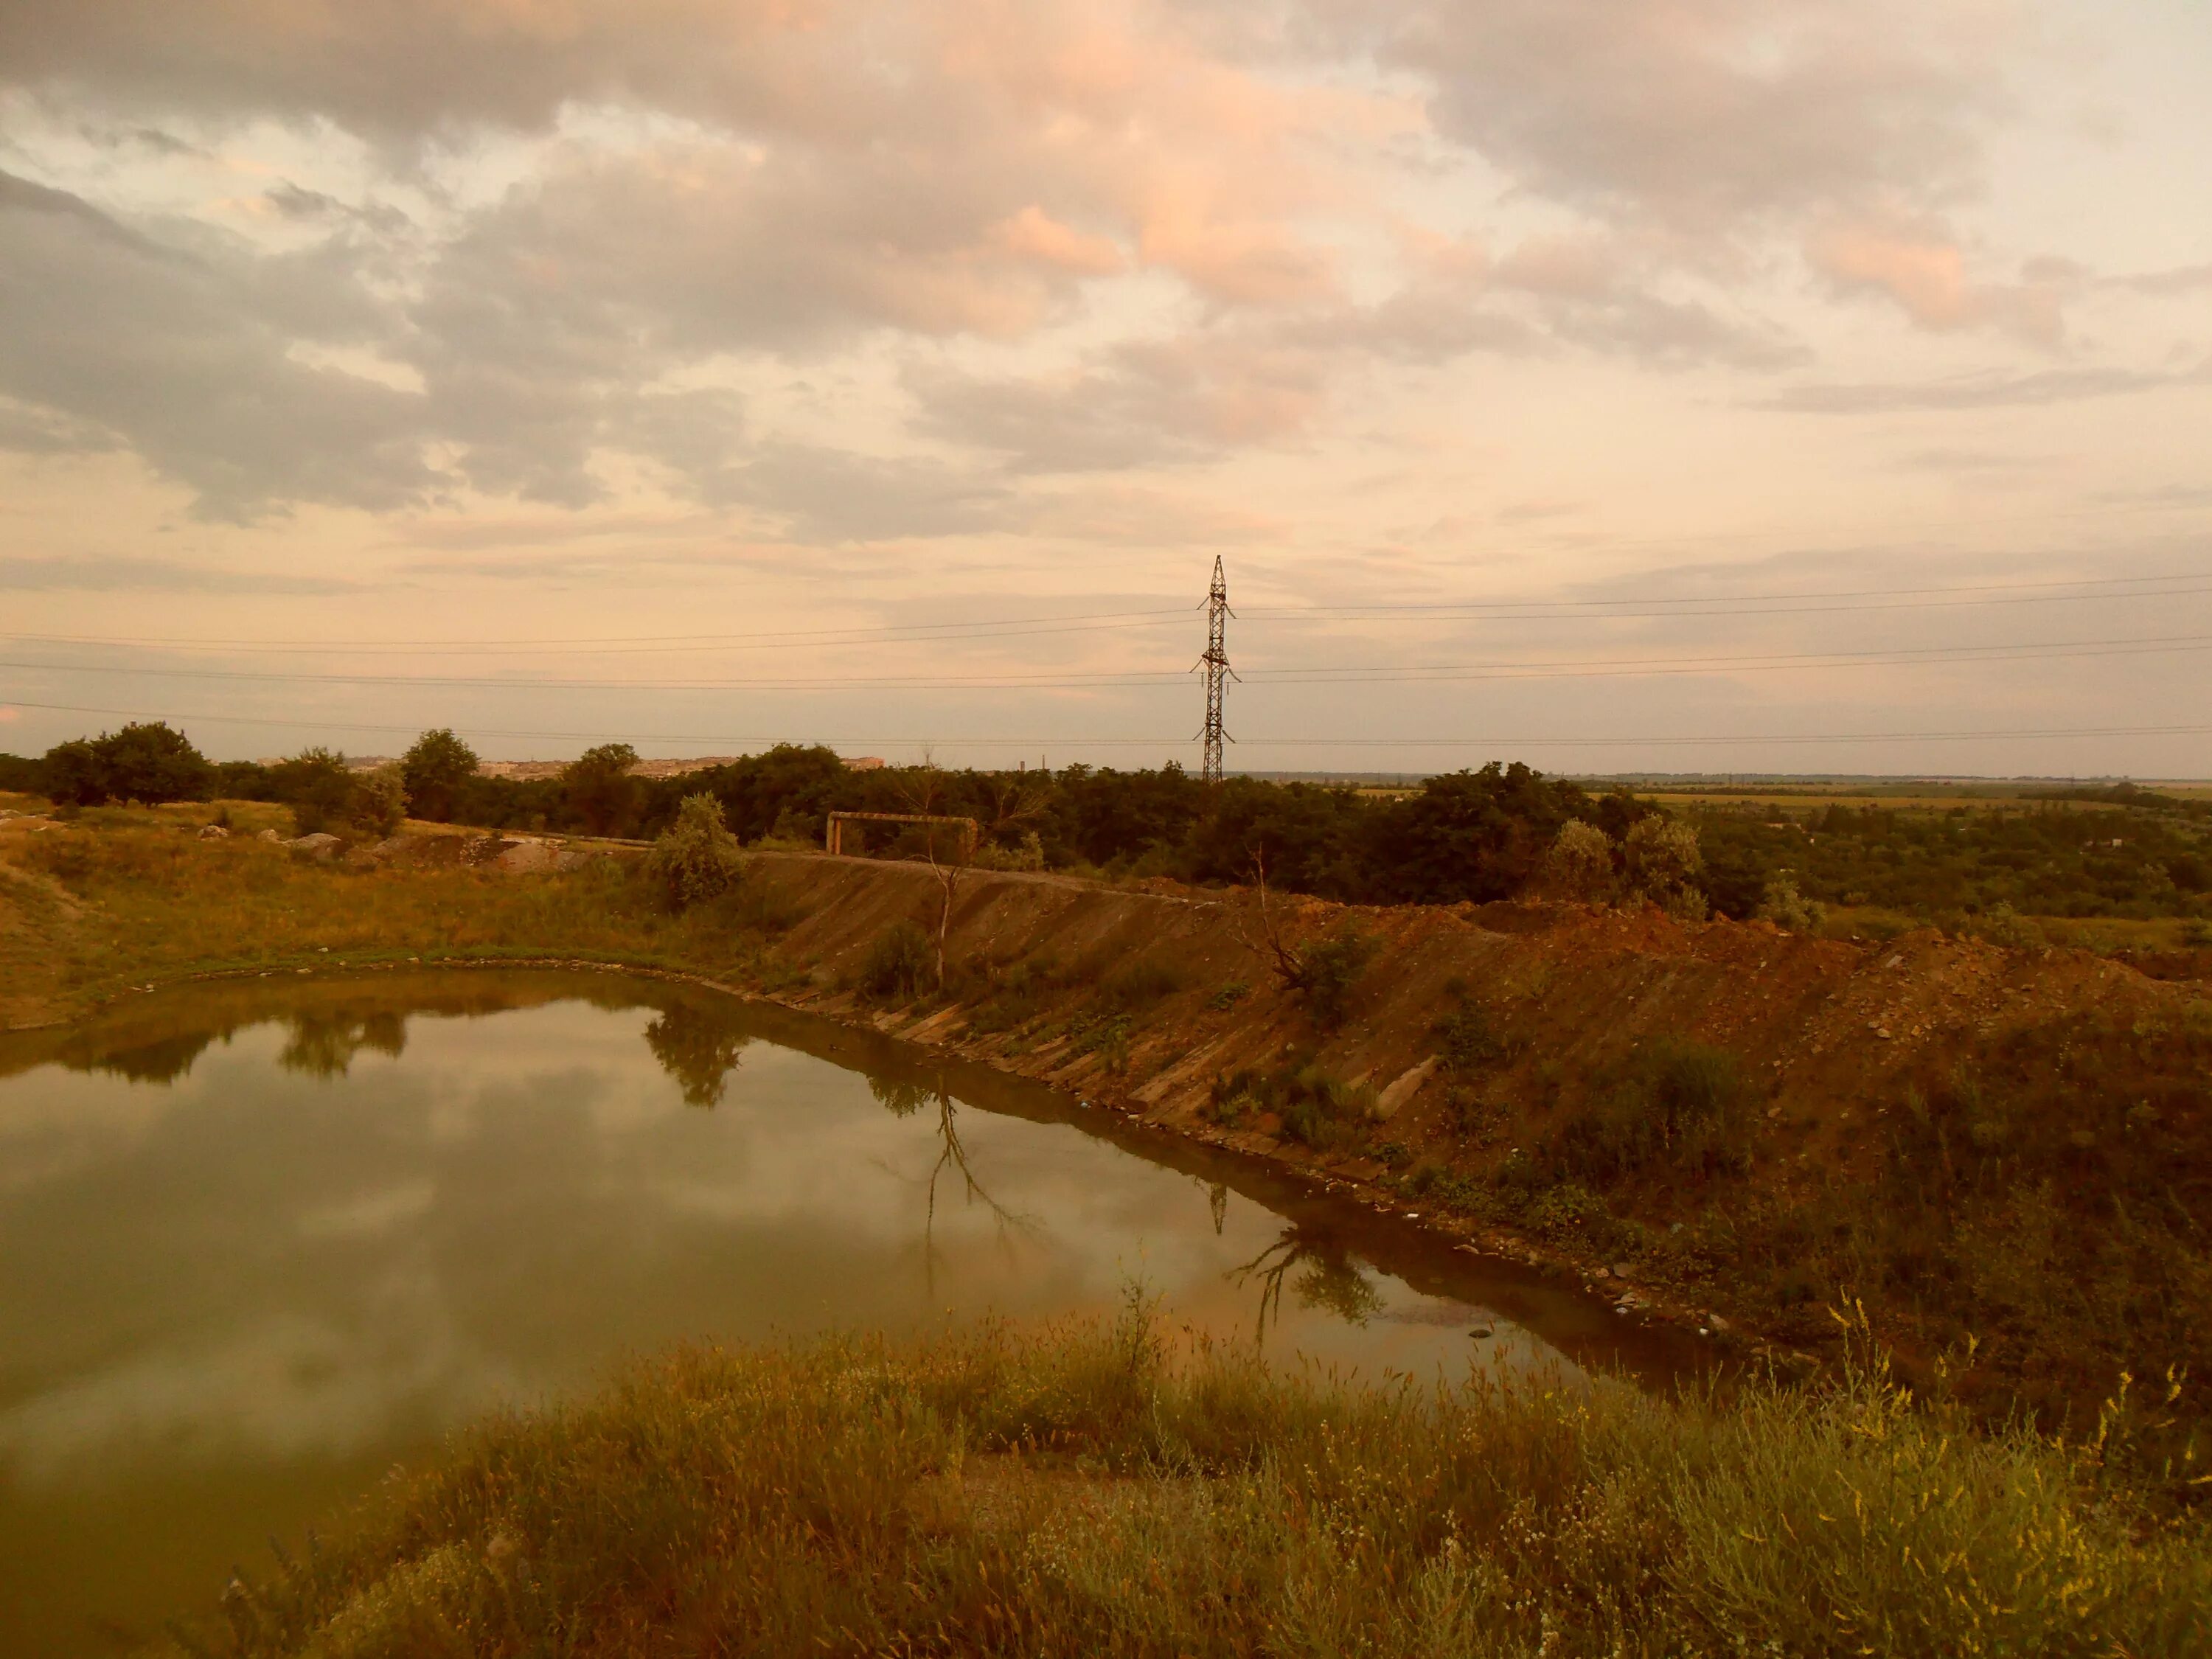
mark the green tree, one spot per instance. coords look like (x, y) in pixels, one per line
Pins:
(435, 770)
(153, 762)
(599, 792)
(74, 774)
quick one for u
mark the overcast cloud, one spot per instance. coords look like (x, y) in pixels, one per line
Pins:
(506, 319)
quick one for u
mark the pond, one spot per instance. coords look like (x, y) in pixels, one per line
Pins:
(259, 1241)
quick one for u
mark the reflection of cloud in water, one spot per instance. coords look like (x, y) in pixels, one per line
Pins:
(290, 1387)
(370, 1213)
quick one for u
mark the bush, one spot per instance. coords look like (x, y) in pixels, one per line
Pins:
(1580, 865)
(1465, 1043)
(1663, 866)
(1572, 1214)
(1785, 907)
(900, 963)
(1683, 1103)
(1140, 985)
(2001, 925)
(1328, 969)
(697, 858)
(1316, 1109)
(380, 801)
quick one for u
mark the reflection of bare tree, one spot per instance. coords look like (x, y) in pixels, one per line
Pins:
(1330, 1280)
(952, 1154)
(324, 1045)
(1217, 1201)
(699, 1049)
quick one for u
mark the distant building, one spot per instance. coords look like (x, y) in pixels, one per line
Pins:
(863, 762)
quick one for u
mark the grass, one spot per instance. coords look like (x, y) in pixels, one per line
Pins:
(161, 904)
(1085, 1490)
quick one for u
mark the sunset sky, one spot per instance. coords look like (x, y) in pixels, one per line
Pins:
(1672, 384)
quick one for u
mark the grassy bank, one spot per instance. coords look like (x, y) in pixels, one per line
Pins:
(1079, 1491)
(108, 906)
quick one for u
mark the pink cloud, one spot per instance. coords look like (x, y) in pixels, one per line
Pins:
(1923, 270)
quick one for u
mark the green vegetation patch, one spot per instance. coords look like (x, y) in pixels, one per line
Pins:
(1082, 1492)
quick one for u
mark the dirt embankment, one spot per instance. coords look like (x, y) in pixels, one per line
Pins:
(1825, 1027)
(2005, 1145)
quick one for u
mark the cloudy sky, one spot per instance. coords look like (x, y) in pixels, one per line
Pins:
(1663, 383)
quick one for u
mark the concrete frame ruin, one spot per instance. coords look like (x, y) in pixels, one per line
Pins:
(833, 840)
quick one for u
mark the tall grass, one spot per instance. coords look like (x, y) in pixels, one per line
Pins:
(1079, 1491)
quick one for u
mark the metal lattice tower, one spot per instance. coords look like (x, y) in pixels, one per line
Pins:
(1215, 663)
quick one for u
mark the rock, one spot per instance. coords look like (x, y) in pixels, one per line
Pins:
(320, 845)
(1479, 1331)
(1408, 1085)
(1716, 1322)
(213, 832)
(1620, 1271)
(271, 836)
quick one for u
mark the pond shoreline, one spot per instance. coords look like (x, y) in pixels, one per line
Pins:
(1648, 1307)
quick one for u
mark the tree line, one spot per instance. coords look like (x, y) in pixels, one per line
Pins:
(1478, 835)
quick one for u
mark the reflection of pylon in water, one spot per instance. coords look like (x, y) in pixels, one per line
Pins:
(1215, 662)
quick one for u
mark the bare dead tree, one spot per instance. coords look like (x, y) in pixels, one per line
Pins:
(1289, 966)
(1014, 802)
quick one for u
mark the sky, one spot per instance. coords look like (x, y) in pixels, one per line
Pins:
(1611, 385)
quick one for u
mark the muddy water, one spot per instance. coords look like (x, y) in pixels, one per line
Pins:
(260, 1240)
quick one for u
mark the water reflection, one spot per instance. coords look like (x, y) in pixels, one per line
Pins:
(246, 1270)
(699, 1048)
(1329, 1280)
(323, 1045)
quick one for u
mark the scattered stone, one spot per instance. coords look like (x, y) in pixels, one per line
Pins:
(213, 832)
(320, 845)
(271, 836)
(1479, 1331)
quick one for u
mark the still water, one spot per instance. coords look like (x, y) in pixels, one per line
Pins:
(259, 1242)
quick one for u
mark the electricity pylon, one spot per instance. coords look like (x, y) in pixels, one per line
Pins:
(1215, 663)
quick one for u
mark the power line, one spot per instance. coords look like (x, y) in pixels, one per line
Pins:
(1640, 608)
(1470, 741)
(1583, 668)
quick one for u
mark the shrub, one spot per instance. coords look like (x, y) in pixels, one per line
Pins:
(1140, 984)
(1229, 996)
(900, 963)
(1328, 969)
(2001, 925)
(1571, 1214)
(697, 858)
(1785, 907)
(1465, 1043)
(1580, 865)
(1663, 865)
(1316, 1109)
(1028, 854)
(1683, 1102)
(380, 801)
